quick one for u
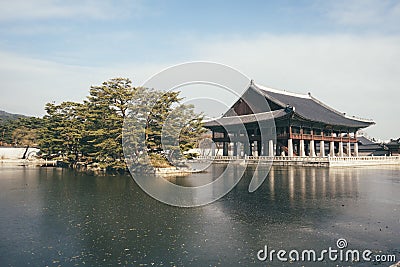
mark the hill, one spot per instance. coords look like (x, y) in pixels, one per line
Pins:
(5, 116)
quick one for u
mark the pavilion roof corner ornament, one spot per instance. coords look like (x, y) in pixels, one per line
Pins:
(290, 108)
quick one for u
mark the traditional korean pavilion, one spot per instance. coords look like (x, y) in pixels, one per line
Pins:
(393, 146)
(303, 125)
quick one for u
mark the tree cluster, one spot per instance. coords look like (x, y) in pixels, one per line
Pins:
(91, 132)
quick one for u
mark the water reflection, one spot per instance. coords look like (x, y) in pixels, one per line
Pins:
(58, 217)
(301, 183)
(271, 177)
(291, 184)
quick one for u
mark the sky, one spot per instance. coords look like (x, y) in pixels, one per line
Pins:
(346, 53)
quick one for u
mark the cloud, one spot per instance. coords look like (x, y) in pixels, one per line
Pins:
(358, 75)
(368, 15)
(54, 9)
(28, 83)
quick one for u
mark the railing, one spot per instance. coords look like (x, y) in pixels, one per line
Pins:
(226, 157)
(299, 136)
(306, 159)
(267, 158)
(301, 159)
(366, 158)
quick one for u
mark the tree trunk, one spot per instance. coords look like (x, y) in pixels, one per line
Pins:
(26, 151)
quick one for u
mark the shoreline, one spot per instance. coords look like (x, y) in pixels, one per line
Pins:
(57, 163)
(25, 162)
(183, 171)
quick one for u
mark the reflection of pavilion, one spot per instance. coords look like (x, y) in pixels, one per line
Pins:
(304, 126)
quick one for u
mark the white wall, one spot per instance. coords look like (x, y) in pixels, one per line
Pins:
(16, 152)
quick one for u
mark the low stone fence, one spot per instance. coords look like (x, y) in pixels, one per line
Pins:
(308, 161)
(363, 161)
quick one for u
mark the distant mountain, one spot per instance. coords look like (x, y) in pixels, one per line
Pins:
(5, 116)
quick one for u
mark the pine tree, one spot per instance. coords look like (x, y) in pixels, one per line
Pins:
(106, 110)
(92, 131)
(63, 130)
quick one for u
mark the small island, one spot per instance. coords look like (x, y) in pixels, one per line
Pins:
(88, 135)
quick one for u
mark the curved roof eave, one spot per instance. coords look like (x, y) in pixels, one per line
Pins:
(347, 121)
(364, 125)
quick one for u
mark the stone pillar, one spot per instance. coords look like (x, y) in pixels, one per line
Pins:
(290, 148)
(341, 154)
(307, 148)
(322, 148)
(312, 149)
(271, 148)
(332, 149)
(213, 149)
(302, 150)
(265, 148)
(348, 149)
(356, 149)
(259, 148)
(262, 148)
(225, 148)
(245, 148)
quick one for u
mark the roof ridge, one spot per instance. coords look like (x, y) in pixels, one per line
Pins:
(326, 106)
(283, 92)
(264, 92)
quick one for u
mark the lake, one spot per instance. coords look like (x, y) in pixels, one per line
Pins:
(58, 217)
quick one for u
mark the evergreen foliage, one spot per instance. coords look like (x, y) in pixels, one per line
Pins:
(91, 132)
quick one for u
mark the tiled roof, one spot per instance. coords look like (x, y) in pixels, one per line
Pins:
(312, 109)
(304, 106)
